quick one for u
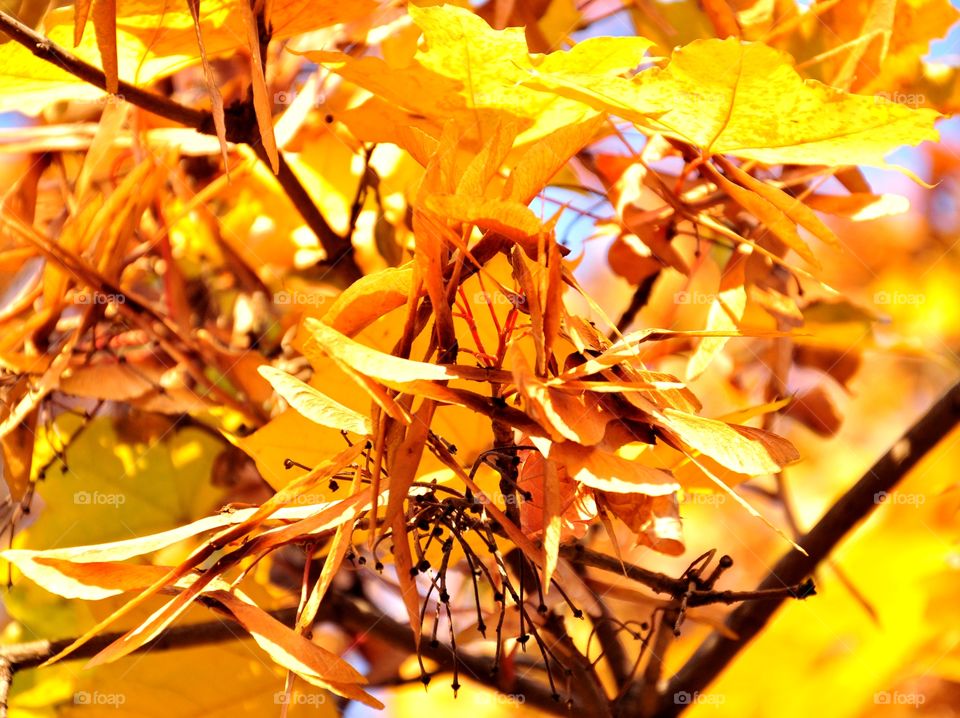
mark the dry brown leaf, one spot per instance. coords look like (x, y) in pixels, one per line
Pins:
(261, 97)
(105, 27)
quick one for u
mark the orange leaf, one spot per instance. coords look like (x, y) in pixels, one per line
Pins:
(742, 449)
(370, 298)
(261, 99)
(216, 99)
(105, 27)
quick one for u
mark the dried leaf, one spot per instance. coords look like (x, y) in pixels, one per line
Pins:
(741, 449)
(314, 404)
(105, 29)
(216, 99)
(262, 104)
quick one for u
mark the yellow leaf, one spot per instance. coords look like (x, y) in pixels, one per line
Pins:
(742, 449)
(747, 100)
(289, 649)
(32, 563)
(313, 404)
(512, 219)
(81, 9)
(770, 217)
(579, 418)
(726, 311)
(790, 206)
(369, 298)
(654, 519)
(551, 520)
(90, 580)
(261, 99)
(544, 159)
(105, 30)
(466, 68)
(601, 469)
(216, 99)
(154, 38)
(386, 368)
(404, 564)
(330, 170)
(405, 460)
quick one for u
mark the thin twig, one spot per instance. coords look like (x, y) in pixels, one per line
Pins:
(659, 582)
(240, 128)
(46, 50)
(353, 615)
(718, 650)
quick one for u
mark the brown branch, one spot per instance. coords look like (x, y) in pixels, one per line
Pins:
(351, 614)
(240, 128)
(339, 250)
(46, 50)
(717, 651)
(638, 301)
(659, 582)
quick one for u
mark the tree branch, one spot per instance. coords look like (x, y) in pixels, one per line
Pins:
(46, 50)
(717, 651)
(351, 614)
(240, 128)
(659, 582)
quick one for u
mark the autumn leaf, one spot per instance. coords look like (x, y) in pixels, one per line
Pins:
(313, 404)
(742, 449)
(467, 66)
(749, 87)
(368, 299)
(153, 39)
